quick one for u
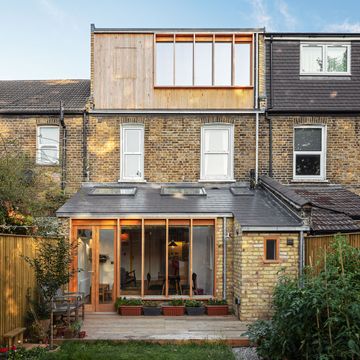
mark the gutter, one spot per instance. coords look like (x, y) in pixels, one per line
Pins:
(169, 111)
(38, 112)
(86, 172)
(275, 228)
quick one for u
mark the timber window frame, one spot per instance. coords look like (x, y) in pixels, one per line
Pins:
(44, 144)
(206, 153)
(275, 256)
(126, 154)
(324, 61)
(321, 154)
(236, 50)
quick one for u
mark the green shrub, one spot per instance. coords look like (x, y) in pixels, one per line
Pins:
(176, 302)
(153, 304)
(193, 303)
(217, 302)
(123, 301)
(318, 315)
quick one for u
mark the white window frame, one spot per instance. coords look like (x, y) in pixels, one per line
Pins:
(39, 146)
(230, 175)
(123, 178)
(324, 47)
(322, 153)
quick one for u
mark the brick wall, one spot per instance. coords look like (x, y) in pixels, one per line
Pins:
(343, 147)
(172, 146)
(19, 134)
(255, 280)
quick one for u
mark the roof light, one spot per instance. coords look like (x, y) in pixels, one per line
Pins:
(113, 191)
(183, 190)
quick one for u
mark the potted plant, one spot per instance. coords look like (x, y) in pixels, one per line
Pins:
(73, 330)
(82, 334)
(194, 307)
(174, 308)
(128, 307)
(151, 308)
(217, 307)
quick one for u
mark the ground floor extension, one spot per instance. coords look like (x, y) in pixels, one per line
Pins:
(160, 242)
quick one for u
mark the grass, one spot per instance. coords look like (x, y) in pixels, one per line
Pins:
(139, 351)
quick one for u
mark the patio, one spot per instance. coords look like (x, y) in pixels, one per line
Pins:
(161, 329)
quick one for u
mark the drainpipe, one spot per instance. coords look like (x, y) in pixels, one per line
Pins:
(64, 141)
(271, 73)
(224, 257)
(270, 144)
(256, 107)
(86, 174)
(301, 254)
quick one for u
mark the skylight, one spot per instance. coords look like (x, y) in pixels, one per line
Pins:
(185, 190)
(241, 191)
(130, 191)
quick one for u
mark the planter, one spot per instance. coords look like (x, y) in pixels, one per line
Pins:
(217, 310)
(173, 310)
(128, 310)
(45, 324)
(194, 311)
(152, 311)
(82, 334)
(60, 331)
(68, 334)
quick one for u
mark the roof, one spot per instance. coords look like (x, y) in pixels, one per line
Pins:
(254, 210)
(43, 96)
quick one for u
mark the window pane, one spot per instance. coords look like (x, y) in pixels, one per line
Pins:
(216, 140)
(155, 259)
(242, 64)
(132, 165)
(178, 247)
(311, 59)
(337, 58)
(307, 165)
(270, 249)
(106, 266)
(84, 254)
(49, 135)
(183, 63)
(203, 260)
(130, 261)
(216, 166)
(164, 64)
(48, 155)
(222, 64)
(203, 64)
(132, 140)
(308, 139)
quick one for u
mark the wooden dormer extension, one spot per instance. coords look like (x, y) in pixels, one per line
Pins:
(173, 69)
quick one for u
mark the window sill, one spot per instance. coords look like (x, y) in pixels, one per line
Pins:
(317, 181)
(131, 181)
(271, 261)
(217, 181)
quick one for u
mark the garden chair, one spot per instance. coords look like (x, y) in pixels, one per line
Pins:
(65, 304)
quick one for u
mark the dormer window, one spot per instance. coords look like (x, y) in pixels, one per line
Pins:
(325, 59)
(203, 60)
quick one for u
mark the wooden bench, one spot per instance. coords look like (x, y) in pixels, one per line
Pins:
(15, 336)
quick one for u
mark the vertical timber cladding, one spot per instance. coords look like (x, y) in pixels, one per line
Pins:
(172, 146)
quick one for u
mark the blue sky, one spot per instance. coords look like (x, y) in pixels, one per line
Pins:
(49, 39)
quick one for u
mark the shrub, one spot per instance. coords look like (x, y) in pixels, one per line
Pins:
(153, 304)
(318, 315)
(176, 302)
(217, 302)
(193, 303)
(123, 301)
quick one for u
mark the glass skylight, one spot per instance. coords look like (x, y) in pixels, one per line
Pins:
(241, 191)
(131, 191)
(187, 191)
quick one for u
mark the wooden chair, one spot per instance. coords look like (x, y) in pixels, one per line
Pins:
(67, 304)
(127, 277)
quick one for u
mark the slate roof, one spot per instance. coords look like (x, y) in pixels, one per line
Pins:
(256, 210)
(43, 96)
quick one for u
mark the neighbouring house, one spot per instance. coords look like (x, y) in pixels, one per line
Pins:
(174, 153)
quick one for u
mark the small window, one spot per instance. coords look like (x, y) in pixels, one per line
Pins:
(187, 191)
(47, 145)
(309, 153)
(217, 144)
(130, 191)
(132, 152)
(271, 250)
(325, 59)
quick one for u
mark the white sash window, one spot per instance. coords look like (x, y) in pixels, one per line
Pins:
(47, 145)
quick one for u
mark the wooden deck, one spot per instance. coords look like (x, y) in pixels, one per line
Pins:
(162, 329)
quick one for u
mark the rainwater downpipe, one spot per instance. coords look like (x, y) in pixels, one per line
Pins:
(86, 174)
(301, 255)
(256, 107)
(64, 141)
(224, 256)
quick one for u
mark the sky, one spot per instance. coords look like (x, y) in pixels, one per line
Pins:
(50, 39)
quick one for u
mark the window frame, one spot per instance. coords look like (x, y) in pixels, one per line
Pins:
(277, 259)
(322, 153)
(324, 46)
(218, 126)
(40, 146)
(135, 126)
(236, 38)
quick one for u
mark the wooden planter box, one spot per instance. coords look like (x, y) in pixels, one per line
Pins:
(152, 311)
(173, 310)
(193, 311)
(130, 310)
(217, 310)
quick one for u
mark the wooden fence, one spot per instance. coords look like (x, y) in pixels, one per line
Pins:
(315, 245)
(16, 277)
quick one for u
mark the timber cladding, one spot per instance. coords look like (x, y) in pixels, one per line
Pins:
(172, 146)
(16, 277)
(122, 73)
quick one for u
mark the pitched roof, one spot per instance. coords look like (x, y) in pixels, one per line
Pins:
(255, 209)
(43, 96)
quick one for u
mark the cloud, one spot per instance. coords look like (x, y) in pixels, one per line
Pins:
(261, 15)
(345, 26)
(283, 8)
